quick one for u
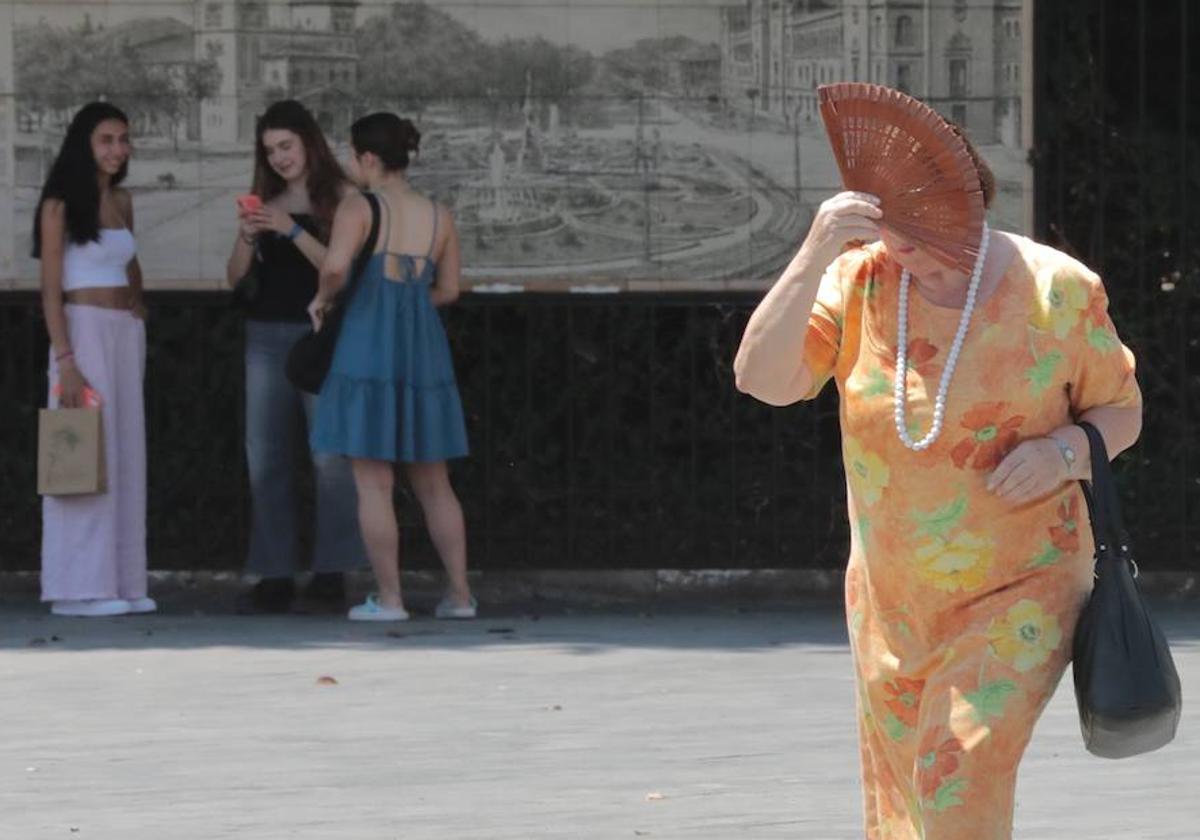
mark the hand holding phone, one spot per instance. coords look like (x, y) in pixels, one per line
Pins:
(249, 203)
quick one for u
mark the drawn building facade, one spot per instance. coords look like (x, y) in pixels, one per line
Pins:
(963, 58)
(303, 49)
(554, 185)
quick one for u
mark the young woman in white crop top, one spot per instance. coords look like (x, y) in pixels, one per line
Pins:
(94, 546)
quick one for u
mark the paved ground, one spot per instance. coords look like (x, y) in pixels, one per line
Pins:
(692, 722)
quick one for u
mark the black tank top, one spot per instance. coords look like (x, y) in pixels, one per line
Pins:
(288, 281)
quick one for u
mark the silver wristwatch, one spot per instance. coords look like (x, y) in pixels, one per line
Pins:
(1064, 449)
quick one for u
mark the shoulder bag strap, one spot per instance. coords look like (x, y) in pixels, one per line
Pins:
(365, 253)
(1101, 496)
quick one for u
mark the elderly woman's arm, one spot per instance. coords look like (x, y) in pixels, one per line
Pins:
(1038, 467)
(770, 361)
(1103, 391)
(1120, 426)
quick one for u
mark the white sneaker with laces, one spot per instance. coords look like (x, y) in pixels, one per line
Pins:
(372, 610)
(91, 608)
(446, 608)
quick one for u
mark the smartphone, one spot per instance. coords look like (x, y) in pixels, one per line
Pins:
(248, 204)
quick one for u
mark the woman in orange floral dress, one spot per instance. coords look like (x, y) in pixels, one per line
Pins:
(970, 553)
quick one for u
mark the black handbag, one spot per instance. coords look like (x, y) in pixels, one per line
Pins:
(310, 357)
(1126, 685)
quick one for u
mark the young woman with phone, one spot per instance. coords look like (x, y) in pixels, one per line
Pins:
(283, 228)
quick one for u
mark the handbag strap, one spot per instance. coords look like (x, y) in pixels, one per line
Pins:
(365, 253)
(1104, 509)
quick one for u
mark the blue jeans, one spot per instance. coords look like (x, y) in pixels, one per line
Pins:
(273, 407)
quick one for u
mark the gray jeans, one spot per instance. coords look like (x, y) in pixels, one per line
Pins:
(273, 407)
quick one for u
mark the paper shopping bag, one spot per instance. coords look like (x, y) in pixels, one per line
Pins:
(71, 452)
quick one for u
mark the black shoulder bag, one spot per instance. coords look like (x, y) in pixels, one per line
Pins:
(1126, 684)
(310, 357)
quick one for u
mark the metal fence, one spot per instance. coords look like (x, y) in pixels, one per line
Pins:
(606, 433)
(1117, 171)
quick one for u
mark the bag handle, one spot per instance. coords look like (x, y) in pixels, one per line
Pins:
(364, 253)
(1104, 509)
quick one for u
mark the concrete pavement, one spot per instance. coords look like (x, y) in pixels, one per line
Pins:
(693, 721)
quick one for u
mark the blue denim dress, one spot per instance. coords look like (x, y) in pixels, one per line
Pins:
(390, 394)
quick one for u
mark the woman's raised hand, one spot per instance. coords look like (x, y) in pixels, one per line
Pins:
(846, 217)
(269, 217)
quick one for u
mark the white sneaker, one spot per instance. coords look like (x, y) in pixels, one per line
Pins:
(448, 609)
(137, 606)
(372, 610)
(91, 608)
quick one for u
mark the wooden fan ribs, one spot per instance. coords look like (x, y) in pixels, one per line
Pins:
(893, 146)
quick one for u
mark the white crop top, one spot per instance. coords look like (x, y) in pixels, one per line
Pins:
(94, 265)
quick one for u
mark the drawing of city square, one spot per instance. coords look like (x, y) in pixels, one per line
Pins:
(610, 146)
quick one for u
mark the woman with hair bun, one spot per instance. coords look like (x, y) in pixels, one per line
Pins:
(390, 396)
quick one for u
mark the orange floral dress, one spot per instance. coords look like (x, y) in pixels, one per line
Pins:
(960, 607)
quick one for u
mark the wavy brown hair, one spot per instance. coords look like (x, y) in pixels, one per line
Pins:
(324, 174)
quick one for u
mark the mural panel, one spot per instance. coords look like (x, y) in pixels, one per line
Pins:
(612, 145)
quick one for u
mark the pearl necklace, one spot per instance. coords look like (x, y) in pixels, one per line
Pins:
(900, 391)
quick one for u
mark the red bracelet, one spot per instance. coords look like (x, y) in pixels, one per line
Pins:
(62, 356)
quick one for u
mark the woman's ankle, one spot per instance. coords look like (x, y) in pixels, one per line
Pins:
(389, 599)
(460, 596)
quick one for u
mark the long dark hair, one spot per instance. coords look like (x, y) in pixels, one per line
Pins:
(390, 138)
(72, 178)
(324, 174)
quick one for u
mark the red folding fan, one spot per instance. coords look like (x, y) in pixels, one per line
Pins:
(901, 150)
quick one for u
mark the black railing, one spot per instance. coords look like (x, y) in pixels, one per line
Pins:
(1117, 165)
(606, 433)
